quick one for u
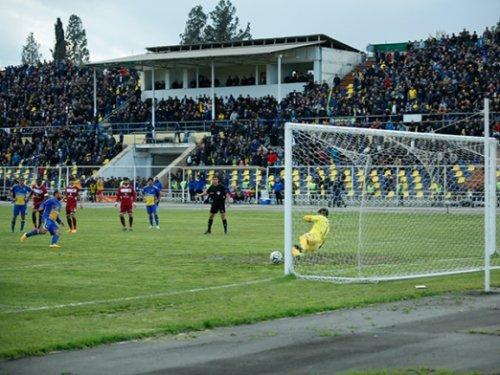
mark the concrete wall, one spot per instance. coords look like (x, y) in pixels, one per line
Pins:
(337, 62)
(324, 62)
(253, 91)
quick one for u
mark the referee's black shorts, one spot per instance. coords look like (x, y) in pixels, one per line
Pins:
(217, 207)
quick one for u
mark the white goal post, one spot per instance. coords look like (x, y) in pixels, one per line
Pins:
(401, 204)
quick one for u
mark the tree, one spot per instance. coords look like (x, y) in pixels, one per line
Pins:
(59, 51)
(31, 51)
(76, 41)
(225, 25)
(197, 20)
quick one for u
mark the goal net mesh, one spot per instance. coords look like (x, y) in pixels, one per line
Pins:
(400, 205)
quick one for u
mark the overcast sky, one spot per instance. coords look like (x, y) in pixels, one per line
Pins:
(119, 28)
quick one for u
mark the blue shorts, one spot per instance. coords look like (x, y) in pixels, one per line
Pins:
(20, 209)
(151, 209)
(50, 225)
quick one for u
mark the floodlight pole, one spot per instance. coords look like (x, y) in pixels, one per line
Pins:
(95, 96)
(279, 78)
(153, 105)
(212, 87)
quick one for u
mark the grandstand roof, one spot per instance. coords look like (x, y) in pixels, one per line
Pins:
(325, 40)
(248, 51)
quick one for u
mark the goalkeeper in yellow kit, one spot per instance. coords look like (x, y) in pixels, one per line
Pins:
(315, 238)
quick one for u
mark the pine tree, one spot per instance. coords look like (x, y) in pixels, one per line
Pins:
(76, 41)
(197, 20)
(225, 24)
(59, 51)
(31, 51)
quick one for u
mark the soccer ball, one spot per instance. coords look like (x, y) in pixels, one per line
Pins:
(276, 257)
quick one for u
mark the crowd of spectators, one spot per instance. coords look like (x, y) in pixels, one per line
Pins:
(56, 94)
(256, 144)
(57, 146)
(435, 76)
(449, 74)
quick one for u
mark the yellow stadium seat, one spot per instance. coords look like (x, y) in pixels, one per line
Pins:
(420, 194)
(471, 168)
(459, 174)
(448, 195)
(406, 194)
(461, 180)
(349, 185)
(456, 167)
(415, 173)
(378, 193)
(403, 179)
(417, 179)
(390, 194)
(388, 173)
(350, 193)
(418, 186)
(374, 173)
(348, 179)
(377, 185)
(375, 179)
(401, 173)
(347, 172)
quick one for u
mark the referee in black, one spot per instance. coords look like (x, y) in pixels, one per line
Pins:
(217, 196)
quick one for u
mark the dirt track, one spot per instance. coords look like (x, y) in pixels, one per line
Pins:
(457, 332)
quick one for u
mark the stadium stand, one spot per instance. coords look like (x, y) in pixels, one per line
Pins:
(434, 76)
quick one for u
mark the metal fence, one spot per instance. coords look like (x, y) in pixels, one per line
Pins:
(387, 185)
(435, 122)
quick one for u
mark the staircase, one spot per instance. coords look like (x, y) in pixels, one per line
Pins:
(349, 78)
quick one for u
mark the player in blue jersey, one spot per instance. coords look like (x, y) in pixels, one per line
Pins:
(151, 198)
(159, 186)
(20, 196)
(51, 220)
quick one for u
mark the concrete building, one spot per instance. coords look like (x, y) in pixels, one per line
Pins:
(256, 68)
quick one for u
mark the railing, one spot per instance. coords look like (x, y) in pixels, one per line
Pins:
(437, 122)
(256, 182)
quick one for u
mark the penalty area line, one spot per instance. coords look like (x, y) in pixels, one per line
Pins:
(139, 297)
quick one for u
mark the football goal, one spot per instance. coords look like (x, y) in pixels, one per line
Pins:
(400, 204)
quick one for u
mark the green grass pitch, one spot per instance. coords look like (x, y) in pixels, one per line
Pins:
(106, 285)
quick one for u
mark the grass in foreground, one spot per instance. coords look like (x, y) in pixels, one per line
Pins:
(105, 285)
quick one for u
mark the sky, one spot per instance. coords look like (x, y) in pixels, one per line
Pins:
(119, 28)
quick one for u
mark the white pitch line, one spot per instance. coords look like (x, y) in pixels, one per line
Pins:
(41, 265)
(144, 296)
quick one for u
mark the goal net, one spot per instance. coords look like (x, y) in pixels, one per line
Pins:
(401, 204)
